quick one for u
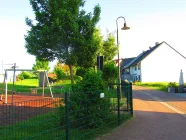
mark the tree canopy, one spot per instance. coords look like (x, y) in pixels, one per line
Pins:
(109, 48)
(41, 65)
(62, 30)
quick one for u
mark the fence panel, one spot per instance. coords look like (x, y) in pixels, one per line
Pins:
(79, 115)
(34, 119)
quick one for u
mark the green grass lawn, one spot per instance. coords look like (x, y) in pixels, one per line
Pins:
(154, 85)
(47, 126)
(27, 82)
(25, 86)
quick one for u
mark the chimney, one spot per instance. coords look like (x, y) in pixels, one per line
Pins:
(150, 47)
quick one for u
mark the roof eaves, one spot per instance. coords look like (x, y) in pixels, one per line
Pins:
(174, 49)
(129, 64)
(144, 55)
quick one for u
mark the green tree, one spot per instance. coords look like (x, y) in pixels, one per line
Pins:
(87, 55)
(25, 75)
(63, 31)
(85, 101)
(110, 72)
(61, 70)
(109, 48)
(41, 65)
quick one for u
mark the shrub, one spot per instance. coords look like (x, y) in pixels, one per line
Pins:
(24, 75)
(172, 84)
(110, 73)
(59, 72)
(80, 71)
(78, 78)
(85, 102)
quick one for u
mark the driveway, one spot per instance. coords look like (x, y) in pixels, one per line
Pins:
(157, 116)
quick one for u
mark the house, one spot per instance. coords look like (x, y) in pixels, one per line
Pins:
(161, 63)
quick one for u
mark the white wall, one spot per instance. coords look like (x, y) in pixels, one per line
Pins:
(163, 65)
(134, 72)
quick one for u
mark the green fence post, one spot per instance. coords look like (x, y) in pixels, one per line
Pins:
(131, 100)
(118, 96)
(66, 116)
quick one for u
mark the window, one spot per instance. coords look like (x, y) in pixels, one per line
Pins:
(135, 67)
(139, 77)
(138, 67)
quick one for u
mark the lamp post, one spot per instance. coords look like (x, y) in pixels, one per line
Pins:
(125, 27)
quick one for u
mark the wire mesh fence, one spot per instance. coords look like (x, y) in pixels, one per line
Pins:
(79, 115)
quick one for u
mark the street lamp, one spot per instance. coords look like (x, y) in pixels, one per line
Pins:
(125, 27)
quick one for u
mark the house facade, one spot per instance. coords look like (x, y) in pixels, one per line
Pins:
(161, 63)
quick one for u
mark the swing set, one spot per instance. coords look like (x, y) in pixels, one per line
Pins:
(45, 81)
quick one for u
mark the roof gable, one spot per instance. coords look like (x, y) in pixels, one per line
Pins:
(144, 54)
(126, 61)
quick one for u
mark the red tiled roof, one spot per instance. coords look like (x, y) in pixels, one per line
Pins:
(51, 75)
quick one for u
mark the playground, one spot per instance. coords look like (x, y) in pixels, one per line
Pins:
(25, 107)
(27, 89)
(20, 98)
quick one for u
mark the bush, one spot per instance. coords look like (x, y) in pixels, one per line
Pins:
(85, 102)
(172, 84)
(59, 72)
(110, 73)
(25, 75)
(78, 78)
(81, 71)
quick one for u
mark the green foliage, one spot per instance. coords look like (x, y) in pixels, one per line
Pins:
(41, 65)
(26, 75)
(87, 53)
(92, 81)
(80, 71)
(20, 77)
(63, 30)
(78, 78)
(172, 84)
(85, 101)
(59, 72)
(110, 73)
(109, 48)
(155, 85)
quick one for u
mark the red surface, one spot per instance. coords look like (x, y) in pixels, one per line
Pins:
(20, 98)
(25, 107)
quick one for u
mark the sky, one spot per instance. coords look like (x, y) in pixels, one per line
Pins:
(150, 21)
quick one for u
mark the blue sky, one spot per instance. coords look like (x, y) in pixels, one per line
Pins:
(150, 21)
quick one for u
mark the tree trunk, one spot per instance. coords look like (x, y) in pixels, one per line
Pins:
(71, 74)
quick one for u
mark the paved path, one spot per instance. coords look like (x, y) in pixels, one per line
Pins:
(157, 116)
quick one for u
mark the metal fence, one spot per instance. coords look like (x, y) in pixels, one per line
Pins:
(80, 115)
